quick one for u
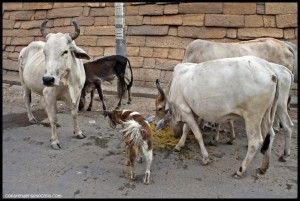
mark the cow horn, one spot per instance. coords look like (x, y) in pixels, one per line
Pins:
(77, 31)
(43, 29)
(160, 90)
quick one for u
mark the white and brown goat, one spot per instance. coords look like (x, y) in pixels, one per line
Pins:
(136, 135)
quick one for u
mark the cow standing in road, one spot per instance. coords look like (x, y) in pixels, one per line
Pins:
(222, 90)
(54, 69)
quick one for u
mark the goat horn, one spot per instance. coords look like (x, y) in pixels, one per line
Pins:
(43, 29)
(77, 31)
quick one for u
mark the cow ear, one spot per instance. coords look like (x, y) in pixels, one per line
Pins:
(79, 53)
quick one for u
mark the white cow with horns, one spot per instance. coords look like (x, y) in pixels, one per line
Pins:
(222, 90)
(54, 69)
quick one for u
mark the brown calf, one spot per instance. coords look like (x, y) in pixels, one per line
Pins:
(105, 69)
(136, 135)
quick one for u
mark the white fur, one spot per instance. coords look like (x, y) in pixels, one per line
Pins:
(124, 111)
(134, 113)
(132, 132)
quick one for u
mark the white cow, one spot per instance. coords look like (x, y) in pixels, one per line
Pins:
(222, 90)
(54, 69)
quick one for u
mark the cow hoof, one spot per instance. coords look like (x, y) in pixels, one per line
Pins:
(177, 148)
(212, 143)
(206, 161)
(260, 171)
(33, 121)
(80, 136)
(128, 102)
(89, 109)
(55, 146)
(236, 176)
(282, 159)
(229, 142)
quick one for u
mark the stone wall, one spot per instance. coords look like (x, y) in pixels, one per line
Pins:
(156, 33)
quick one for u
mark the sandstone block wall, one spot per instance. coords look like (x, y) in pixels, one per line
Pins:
(156, 33)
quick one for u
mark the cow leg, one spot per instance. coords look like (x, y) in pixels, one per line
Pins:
(121, 91)
(215, 139)
(287, 125)
(129, 95)
(149, 156)
(74, 113)
(91, 103)
(99, 89)
(27, 99)
(181, 142)
(51, 109)
(267, 153)
(82, 99)
(190, 120)
(276, 123)
(232, 136)
(255, 140)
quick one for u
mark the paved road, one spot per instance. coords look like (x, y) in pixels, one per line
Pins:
(95, 166)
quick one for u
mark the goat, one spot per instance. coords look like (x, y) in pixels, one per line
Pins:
(136, 135)
(105, 69)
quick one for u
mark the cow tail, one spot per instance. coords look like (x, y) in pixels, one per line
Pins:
(266, 142)
(131, 81)
(132, 133)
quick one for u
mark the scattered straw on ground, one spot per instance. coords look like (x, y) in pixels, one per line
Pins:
(163, 139)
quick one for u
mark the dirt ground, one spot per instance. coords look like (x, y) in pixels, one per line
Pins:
(95, 166)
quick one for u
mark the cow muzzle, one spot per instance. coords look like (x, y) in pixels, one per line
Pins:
(48, 81)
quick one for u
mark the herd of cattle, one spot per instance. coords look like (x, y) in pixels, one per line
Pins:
(216, 82)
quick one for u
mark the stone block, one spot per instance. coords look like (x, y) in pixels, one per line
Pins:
(100, 30)
(176, 54)
(151, 10)
(135, 40)
(281, 8)
(201, 32)
(160, 52)
(171, 9)
(193, 20)
(106, 41)
(254, 21)
(286, 21)
(167, 41)
(192, 8)
(147, 30)
(217, 20)
(65, 12)
(269, 21)
(100, 21)
(239, 8)
(247, 33)
(166, 20)
(146, 51)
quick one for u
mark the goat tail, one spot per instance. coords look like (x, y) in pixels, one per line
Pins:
(132, 133)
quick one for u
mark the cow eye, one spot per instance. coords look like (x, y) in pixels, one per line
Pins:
(159, 109)
(65, 52)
